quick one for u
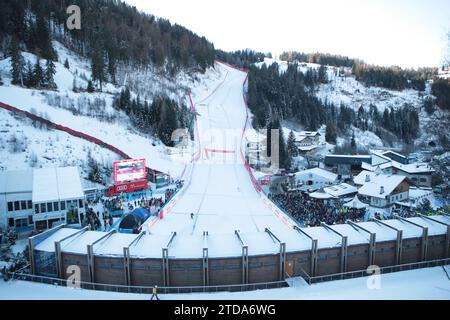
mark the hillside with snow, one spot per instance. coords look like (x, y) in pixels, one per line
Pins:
(91, 113)
(342, 88)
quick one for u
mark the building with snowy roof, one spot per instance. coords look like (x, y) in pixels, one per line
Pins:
(346, 165)
(16, 208)
(338, 192)
(315, 179)
(40, 198)
(382, 190)
(419, 174)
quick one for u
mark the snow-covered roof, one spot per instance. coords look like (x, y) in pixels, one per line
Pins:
(307, 148)
(309, 133)
(375, 186)
(16, 181)
(227, 245)
(319, 172)
(325, 238)
(48, 244)
(383, 233)
(321, 195)
(113, 245)
(434, 228)
(53, 184)
(361, 178)
(409, 230)
(340, 190)
(413, 168)
(78, 244)
(354, 235)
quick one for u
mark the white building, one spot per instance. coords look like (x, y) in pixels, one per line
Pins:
(40, 198)
(16, 207)
(315, 179)
(307, 141)
(339, 192)
(382, 190)
(418, 173)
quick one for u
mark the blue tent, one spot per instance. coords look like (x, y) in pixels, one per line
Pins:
(134, 220)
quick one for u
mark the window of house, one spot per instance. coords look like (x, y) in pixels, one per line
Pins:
(10, 206)
(36, 209)
(423, 180)
(23, 205)
(56, 206)
(63, 205)
(11, 222)
(20, 223)
(50, 207)
(80, 203)
(16, 205)
(30, 220)
(30, 204)
(43, 208)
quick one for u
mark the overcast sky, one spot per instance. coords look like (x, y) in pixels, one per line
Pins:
(409, 33)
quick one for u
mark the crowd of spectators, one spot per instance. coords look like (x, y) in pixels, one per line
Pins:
(311, 212)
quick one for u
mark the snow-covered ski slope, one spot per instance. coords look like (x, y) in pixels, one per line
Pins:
(221, 195)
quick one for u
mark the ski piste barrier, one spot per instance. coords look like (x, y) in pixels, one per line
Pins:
(231, 66)
(269, 204)
(72, 132)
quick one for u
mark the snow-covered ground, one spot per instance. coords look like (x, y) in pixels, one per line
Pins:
(22, 145)
(423, 284)
(92, 114)
(220, 195)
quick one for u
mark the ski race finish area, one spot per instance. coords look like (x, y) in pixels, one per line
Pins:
(220, 229)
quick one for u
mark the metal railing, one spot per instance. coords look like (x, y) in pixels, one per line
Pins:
(383, 270)
(144, 289)
(211, 289)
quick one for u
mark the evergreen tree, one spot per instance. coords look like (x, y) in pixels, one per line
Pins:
(331, 133)
(90, 87)
(428, 105)
(168, 123)
(98, 65)
(43, 38)
(291, 147)
(323, 78)
(30, 80)
(38, 73)
(50, 71)
(353, 143)
(17, 63)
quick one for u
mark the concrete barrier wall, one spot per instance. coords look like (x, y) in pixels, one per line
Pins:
(70, 259)
(224, 271)
(229, 271)
(146, 272)
(385, 253)
(411, 250)
(301, 263)
(328, 261)
(109, 270)
(436, 247)
(263, 269)
(185, 273)
(357, 257)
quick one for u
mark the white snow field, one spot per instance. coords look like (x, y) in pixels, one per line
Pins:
(423, 284)
(221, 194)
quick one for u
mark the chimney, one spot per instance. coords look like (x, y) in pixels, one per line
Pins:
(381, 190)
(367, 178)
